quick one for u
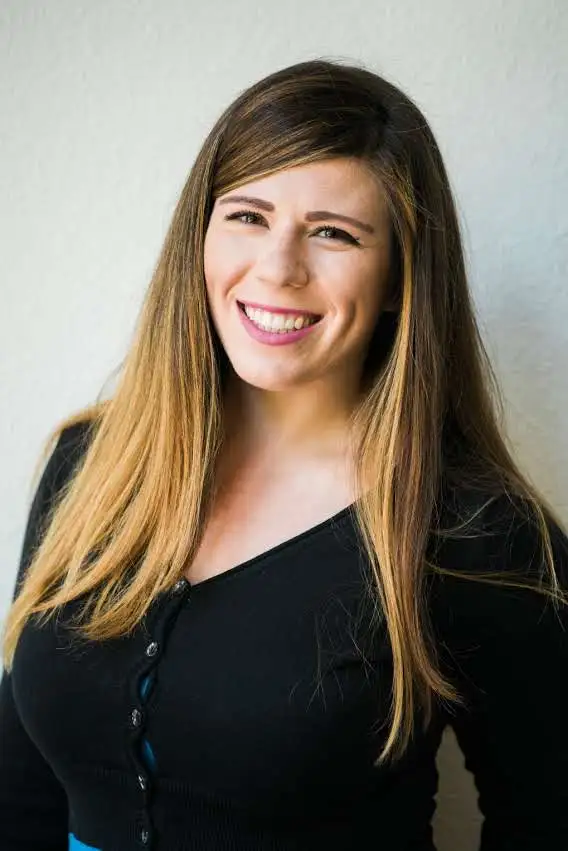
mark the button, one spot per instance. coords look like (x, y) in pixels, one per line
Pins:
(135, 717)
(152, 648)
(144, 835)
(142, 782)
(179, 586)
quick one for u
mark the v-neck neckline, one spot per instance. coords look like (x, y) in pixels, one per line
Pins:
(339, 517)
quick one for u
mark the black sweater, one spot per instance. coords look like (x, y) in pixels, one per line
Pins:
(244, 713)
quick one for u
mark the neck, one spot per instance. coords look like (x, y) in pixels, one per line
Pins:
(309, 421)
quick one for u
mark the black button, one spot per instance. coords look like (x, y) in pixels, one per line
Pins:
(179, 586)
(152, 648)
(142, 782)
(135, 717)
(144, 836)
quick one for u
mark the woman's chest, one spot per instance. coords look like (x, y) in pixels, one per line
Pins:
(265, 680)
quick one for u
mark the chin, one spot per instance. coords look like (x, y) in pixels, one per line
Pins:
(263, 378)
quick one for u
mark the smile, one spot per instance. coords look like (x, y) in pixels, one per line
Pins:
(278, 322)
(276, 328)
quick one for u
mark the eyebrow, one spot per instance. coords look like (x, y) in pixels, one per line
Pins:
(312, 216)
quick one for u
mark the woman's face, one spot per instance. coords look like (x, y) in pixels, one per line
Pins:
(274, 250)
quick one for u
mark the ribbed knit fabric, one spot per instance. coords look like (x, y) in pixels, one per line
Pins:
(246, 712)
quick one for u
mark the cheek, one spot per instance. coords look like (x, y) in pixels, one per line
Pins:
(215, 275)
(221, 266)
(361, 295)
(209, 255)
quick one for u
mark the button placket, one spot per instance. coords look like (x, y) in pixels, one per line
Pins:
(139, 686)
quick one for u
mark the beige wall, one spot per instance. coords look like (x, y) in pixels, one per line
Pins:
(104, 106)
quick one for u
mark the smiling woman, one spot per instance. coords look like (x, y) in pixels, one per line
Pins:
(258, 583)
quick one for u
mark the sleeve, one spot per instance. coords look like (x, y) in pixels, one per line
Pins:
(511, 649)
(33, 804)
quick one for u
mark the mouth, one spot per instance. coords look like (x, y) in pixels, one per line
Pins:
(278, 320)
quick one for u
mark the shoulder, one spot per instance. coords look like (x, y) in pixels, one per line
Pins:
(497, 534)
(70, 444)
(489, 607)
(69, 448)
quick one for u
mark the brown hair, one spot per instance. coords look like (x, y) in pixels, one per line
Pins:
(430, 411)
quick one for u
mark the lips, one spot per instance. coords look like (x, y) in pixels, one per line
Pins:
(272, 335)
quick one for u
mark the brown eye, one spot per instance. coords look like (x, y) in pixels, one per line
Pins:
(337, 233)
(241, 214)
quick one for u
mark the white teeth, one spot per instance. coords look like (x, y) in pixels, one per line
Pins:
(276, 322)
(279, 323)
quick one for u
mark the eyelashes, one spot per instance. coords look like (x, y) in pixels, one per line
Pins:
(338, 233)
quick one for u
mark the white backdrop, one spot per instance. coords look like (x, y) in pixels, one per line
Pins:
(103, 107)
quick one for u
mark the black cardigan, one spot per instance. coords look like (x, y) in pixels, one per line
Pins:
(244, 713)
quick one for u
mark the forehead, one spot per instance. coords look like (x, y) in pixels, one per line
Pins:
(341, 180)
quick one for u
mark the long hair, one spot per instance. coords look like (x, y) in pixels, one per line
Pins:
(431, 410)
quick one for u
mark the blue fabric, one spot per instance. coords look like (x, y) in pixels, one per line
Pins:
(147, 752)
(76, 845)
(144, 686)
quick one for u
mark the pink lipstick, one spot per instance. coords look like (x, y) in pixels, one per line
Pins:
(274, 338)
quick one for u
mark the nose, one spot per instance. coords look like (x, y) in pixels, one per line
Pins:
(281, 262)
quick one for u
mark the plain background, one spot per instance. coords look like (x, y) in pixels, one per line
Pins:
(103, 107)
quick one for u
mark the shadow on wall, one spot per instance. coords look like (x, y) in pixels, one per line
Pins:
(457, 822)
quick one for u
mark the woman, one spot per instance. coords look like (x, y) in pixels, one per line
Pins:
(258, 582)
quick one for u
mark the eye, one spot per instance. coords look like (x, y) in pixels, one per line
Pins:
(241, 214)
(337, 233)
